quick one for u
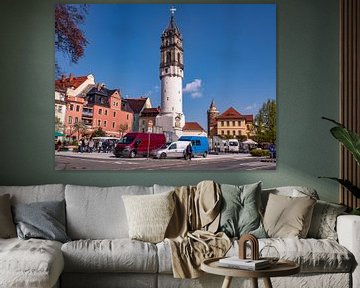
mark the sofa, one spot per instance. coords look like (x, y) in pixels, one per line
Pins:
(99, 252)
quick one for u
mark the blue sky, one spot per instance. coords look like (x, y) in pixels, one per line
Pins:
(229, 53)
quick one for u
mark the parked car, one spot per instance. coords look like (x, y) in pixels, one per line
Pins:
(136, 143)
(174, 150)
(232, 145)
(200, 144)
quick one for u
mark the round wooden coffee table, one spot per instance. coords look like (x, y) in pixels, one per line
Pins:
(281, 268)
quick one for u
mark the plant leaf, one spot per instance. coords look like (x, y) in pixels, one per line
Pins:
(348, 138)
(347, 184)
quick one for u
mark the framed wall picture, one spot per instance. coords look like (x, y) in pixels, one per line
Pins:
(165, 87)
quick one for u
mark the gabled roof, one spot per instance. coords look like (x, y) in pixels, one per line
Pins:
(136, 104)
(230, 113)
(70, 82)
(192, 126)
(150, 112)
(102, 90)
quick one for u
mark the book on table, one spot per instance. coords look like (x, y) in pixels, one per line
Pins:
(249, 264)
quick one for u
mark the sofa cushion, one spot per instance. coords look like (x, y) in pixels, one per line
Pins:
(291, 191)
(43, 220)
(287, 216)
(240, 210)
(7, 226)
(35, 193)
(30, 263)
(98, 213)
(149, 215)
(117, 255)
(323, 222)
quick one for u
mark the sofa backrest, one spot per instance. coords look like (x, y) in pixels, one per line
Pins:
(35, 193)
(98, 212)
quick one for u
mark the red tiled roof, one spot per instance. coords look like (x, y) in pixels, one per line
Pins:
(231, 113)
(136, 104)
(150, 112)
(193, 126)
(249, 118)
(69, 82)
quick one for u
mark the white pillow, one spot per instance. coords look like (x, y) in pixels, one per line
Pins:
(149, 215)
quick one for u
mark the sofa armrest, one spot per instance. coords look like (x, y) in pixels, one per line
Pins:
(348, 230)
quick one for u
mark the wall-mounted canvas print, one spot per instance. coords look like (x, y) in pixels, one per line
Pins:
(165, 87)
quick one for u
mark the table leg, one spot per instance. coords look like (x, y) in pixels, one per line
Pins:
(267, 283)
(227, 282)
(254, 282)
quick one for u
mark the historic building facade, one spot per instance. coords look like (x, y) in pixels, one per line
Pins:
(106, 110)
(230, 124)
(171, 119)
(84, 107)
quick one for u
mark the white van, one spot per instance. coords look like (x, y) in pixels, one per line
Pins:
(174, 150)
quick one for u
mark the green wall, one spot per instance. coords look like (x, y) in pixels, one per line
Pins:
(307, 86)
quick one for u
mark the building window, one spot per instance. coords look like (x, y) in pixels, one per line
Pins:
(179, 58)
(222, 132)
(113, 124)
(76, 119)
(127, 116)
(167, 98)
(239, 132)
(234, 132)
(105, 112)
(71, 107)
(233, 123)
(104, 123)
(166, 70)
(239, 123)
(228, 123)
(99, 123)
(77, 108)
(70, 120)
(228, 133)
(100, 111)
(114, 114)
(222, 124)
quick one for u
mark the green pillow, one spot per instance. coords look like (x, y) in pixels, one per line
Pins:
(240, 213)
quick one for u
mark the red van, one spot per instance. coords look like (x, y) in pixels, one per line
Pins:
(137, 143)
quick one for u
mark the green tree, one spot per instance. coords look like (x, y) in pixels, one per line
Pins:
(79, 128)
(98, 133)
(123, 128)
(69, 38)
(59, 126)
(265, 123)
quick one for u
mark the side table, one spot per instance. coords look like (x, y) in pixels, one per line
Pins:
(281, 268)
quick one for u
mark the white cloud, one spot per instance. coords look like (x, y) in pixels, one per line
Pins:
(251, 107)
(194, 88)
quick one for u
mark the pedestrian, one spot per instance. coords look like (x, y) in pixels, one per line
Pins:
(99, 146)
(58, 145)
(91, 145)
(82, 145)
(188, 151)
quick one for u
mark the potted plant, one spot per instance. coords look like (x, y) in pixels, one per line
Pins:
(351, 141)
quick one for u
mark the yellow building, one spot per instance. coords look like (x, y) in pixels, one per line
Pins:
(232, 124)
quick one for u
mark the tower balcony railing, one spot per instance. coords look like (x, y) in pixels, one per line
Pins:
(172, 63)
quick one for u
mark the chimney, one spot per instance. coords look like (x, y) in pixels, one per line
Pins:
(71, 77)
(63, 77)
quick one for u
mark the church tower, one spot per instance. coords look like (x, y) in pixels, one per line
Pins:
(171, 118)
(212, 113)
